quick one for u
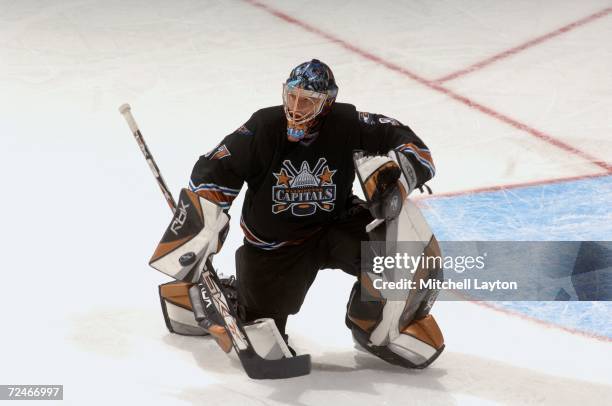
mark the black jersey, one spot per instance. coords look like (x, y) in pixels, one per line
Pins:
(295, 188)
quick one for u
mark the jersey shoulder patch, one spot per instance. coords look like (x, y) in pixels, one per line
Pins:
(243, 130)
(366, 117)
(373, 119)
(388, 120)
(219, 152)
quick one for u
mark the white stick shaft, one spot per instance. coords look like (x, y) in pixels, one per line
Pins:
(126, 111)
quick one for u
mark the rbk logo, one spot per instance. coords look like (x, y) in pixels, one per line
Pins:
(304, 190)
(179, 220)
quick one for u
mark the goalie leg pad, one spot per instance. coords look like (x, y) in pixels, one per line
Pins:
(184, 314)
(208, 319)
(416, 345)
(420, 344)
(401, 333)
(177, 309)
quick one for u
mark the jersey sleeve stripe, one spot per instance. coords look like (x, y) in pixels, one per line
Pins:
(250, 236)
(213, 186)
(258, 242)
(252, 239)
(217, 197)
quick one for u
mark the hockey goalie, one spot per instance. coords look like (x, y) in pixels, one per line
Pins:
(299, 161)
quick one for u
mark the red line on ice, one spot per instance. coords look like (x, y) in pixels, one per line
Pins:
(434, 86)
(541, 322)
(524, 46)
(510, 186)
(466, 298)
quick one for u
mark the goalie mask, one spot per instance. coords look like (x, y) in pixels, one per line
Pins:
(308, 95)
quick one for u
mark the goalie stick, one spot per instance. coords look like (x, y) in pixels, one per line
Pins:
(212, 293)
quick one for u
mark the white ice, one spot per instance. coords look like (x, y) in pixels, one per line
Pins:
(81, 213)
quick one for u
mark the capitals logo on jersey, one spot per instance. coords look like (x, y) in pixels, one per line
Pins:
(305, 190)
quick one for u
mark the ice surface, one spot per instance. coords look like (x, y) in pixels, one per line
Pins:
(81, 213)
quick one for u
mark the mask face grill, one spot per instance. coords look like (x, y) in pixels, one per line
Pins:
(302, 105)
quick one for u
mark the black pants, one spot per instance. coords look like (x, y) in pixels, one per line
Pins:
(274, 283)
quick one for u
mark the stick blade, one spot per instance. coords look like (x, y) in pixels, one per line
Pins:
(259, 368)
(255, 366)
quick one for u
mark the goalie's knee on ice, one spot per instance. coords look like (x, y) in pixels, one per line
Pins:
(419, 343)
(377, 327)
